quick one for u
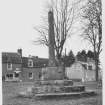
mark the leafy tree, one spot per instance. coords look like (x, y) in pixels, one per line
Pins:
(90, 54)
(83, 52)
(82, 56)
(69, 59)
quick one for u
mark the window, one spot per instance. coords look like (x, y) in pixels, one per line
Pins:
(10, 76)
(90, 67)
(16, 75)
(9, 66)
(30, 75)
(30, 63)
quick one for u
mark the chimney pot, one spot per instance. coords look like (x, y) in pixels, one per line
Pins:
(19, 52)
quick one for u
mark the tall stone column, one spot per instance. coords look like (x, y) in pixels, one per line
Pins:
(51, 39)
(53, 71)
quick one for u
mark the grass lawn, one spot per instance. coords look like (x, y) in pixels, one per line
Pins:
(10, 90)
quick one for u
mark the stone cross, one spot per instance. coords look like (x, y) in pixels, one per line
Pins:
(51, 38)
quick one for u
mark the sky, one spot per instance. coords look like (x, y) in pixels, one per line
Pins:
(17, 21)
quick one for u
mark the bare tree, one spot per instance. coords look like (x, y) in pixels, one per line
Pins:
(63, 12)
(92, 19)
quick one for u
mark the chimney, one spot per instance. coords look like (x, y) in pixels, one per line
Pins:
(19, 51)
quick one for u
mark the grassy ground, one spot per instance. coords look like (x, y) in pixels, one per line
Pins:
(10, 91)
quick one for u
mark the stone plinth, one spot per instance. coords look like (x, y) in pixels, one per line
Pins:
(56, 82)
(53, 73)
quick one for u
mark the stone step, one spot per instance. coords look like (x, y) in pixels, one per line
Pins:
(88, 93)
(58, 89)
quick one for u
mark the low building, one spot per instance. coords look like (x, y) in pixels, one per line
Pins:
(15, 67)
(32, 68)
(83, 71)
(11, 66)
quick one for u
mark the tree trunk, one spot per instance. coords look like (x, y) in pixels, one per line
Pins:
(97, 68)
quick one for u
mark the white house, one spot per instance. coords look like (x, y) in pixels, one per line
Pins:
(76, 71)
(84, 71)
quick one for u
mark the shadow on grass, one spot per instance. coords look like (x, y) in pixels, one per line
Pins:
(66, 97)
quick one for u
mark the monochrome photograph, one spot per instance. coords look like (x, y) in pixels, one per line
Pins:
(51, 52)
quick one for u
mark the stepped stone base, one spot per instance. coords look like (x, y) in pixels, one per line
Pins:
(54, 82)
(58, 89)
(72, 94)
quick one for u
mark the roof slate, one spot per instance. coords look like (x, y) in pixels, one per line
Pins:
(11, 57)
(37, 62)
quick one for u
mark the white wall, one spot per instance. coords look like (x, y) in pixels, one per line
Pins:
(76, 71)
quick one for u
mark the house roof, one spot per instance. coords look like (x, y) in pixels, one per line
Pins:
(11, 57)
(37, 62)
(15, 58)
